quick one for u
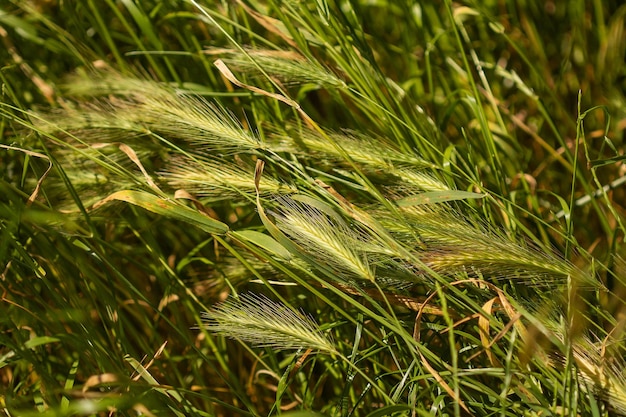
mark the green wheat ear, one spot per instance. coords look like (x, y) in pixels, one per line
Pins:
(257, 320)
(605, 372)
(288, 66)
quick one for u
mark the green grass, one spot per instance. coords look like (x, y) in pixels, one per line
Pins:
(312, 208)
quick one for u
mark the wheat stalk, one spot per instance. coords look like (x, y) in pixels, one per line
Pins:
(257, 320)
(328, 240)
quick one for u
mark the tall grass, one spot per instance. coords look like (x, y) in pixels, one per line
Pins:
(347, 208)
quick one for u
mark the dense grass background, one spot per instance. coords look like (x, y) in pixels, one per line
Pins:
(503, 297)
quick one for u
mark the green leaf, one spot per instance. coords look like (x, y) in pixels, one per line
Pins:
(390, 410)
(143, 22)
(30, 344)
(168, 208)
(607, 161)
(263, 241)
(41, 340)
